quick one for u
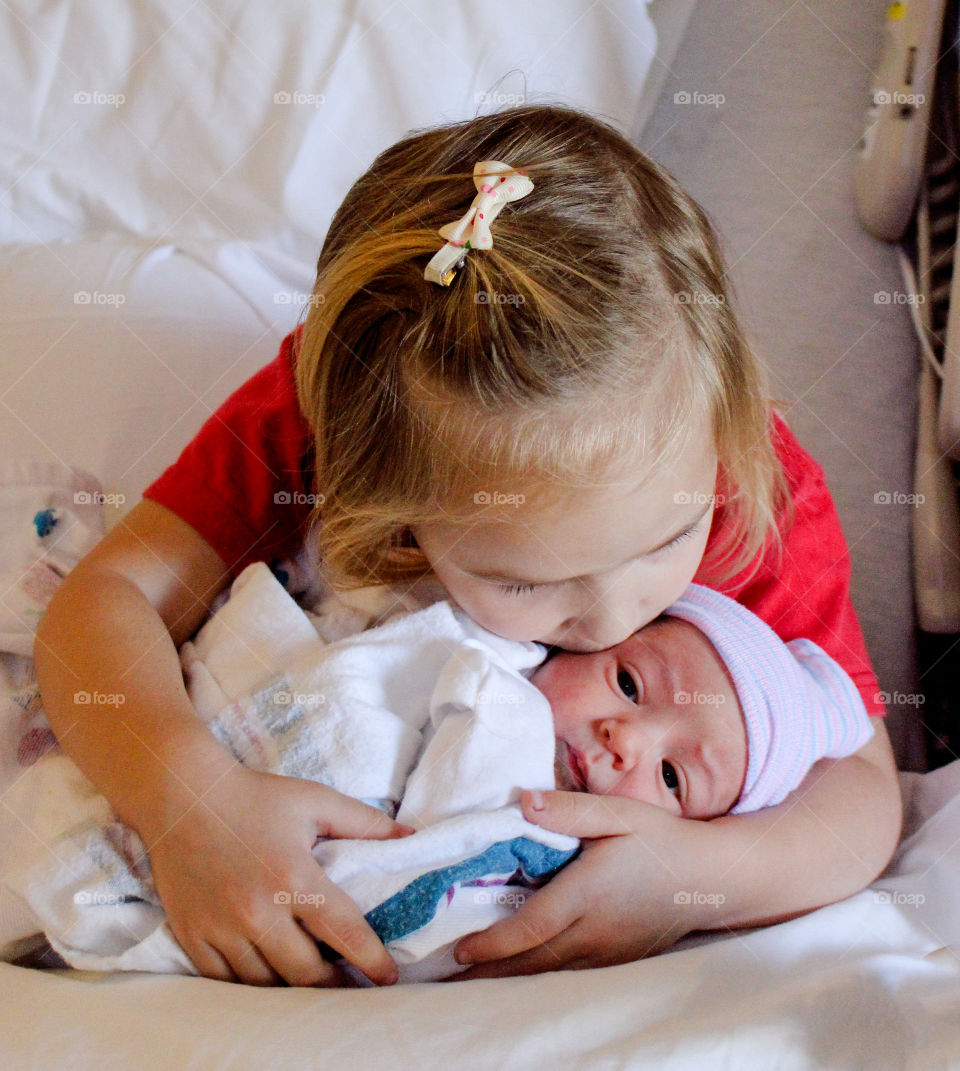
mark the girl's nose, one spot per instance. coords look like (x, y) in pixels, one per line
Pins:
(599, 628)
(607, 614)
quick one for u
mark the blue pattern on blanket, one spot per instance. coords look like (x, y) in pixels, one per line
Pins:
(416, 904)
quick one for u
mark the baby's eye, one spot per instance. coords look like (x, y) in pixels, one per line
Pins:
(627, 685)
(669, 774)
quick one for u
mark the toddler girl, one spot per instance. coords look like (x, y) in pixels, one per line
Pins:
(563, 426)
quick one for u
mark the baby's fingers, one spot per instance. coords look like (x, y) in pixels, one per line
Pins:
(336, 920)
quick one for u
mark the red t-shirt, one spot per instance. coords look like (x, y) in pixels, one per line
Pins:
(245, 483)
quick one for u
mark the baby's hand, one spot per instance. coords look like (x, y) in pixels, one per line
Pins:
(624, 897)
(245, 898)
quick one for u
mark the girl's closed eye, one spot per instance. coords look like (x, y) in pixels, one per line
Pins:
(517, 589)
(688, 534)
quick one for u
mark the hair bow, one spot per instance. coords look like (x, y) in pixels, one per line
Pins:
(494, 189)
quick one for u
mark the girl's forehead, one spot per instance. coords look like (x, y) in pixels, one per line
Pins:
(546, 538)
(657, 474)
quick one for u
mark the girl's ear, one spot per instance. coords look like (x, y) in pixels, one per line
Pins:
(405, 539)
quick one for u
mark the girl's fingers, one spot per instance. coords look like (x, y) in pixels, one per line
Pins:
(544, 916)
(250, 966)
(209, 962)
(549, 957)
(295, 957)
(346, 817)
(338, 923)
(580, 814)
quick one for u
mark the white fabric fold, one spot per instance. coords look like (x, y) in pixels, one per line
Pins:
(426, 712)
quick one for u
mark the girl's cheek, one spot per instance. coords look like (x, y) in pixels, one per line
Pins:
(506, 615)
(512, 625)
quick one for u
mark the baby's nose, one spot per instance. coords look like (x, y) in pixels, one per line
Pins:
(627, 739)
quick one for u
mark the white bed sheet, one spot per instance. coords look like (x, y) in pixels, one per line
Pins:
(872, 982)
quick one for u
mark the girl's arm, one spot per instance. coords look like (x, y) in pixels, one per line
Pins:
(229, 847)
(651, 878)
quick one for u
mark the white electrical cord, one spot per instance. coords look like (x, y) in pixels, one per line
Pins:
(913, 302)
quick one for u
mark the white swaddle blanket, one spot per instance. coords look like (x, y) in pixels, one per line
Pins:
(428, 716)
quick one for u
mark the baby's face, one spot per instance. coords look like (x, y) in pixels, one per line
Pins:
(655, 719)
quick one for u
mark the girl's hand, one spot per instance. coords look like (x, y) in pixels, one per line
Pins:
(627, 895)
(655, 877)
(242, 893)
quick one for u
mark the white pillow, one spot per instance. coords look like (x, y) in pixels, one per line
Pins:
(178, 163)
(176, 120)
(112, 356)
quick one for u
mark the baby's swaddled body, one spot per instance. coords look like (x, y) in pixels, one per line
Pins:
(427, 716)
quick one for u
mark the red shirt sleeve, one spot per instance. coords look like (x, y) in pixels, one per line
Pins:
(245, 481)
(806, 592)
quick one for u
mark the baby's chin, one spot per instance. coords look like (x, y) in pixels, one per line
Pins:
(561, 770)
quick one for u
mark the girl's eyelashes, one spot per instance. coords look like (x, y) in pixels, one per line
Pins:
(689, 533)
(517, 589)
(526, 589)
(670, 779)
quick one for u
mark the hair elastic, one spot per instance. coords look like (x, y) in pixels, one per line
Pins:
(472, 231)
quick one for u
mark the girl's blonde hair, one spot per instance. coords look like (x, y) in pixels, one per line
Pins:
(596, 332)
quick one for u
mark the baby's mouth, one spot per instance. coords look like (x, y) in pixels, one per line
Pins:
(569, 769)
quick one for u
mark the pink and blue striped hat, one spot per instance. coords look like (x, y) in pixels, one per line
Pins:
(798, 705)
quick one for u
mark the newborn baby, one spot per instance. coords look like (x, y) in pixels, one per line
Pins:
(703, 712)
